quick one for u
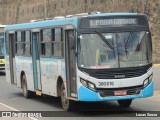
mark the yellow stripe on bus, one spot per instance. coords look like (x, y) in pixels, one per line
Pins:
(156, 65)
(39, 93)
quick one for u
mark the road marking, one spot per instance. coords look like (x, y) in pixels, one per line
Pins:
(15, 110)
(8, 107)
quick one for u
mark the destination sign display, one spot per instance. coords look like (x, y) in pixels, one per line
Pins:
(108, 22)
(99, 22)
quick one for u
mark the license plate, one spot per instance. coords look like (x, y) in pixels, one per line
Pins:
(120, 93)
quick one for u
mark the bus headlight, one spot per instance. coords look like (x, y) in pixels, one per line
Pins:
(91, 86)
(150, 78)
(88, 84)
(84, 83)
(145, 83)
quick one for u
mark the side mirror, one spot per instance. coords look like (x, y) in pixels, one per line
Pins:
(149, 42)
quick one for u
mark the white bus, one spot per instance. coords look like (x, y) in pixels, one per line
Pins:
(2, 49)
(84, 57)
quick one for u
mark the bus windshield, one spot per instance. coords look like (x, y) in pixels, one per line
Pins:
(1, 45)
(114, 50)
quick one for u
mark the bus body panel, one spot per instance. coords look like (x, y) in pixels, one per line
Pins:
(43, 24)
(85, 94)
(24, 64)
(118, 83)
(7, 68)
(51, 68)
(49, 82)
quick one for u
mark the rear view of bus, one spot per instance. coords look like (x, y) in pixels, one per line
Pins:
(114, 58)
(2, 53)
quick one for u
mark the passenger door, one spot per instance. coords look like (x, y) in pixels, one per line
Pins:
(36, 59)
(70, 63)
(12, 58)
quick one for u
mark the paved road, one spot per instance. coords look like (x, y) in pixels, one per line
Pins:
(156, 77)
(11, 99)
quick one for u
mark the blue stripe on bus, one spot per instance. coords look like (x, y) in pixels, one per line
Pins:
(84, 94)
(65, 21)
(47, 23)
(114, 14)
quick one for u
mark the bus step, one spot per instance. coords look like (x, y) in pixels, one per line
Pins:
(39, 93)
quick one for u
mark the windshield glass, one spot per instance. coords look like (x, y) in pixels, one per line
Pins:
(1, 44)
(114, 50)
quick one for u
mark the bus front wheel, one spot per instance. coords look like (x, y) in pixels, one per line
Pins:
(26, 92)
(66, 103)
(125, 103)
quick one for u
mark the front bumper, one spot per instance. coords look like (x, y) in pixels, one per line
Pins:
(85, 94)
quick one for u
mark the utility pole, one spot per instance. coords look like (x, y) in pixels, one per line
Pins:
(17, 11)
(45, 9)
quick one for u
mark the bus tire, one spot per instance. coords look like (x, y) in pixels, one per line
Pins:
(26, 93)
(66, 103)
(125, 103)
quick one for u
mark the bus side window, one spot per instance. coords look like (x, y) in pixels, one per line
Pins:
(46, 35)
(18, 43)
(57, 42)
(43, 49)
(27, 43)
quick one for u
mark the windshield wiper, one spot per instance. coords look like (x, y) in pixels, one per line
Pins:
(129, 39)
(104, 39)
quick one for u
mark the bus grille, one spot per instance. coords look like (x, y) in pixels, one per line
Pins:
(118, 73)
(110, 92)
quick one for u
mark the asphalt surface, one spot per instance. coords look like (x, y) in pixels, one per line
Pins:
(11, 99)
